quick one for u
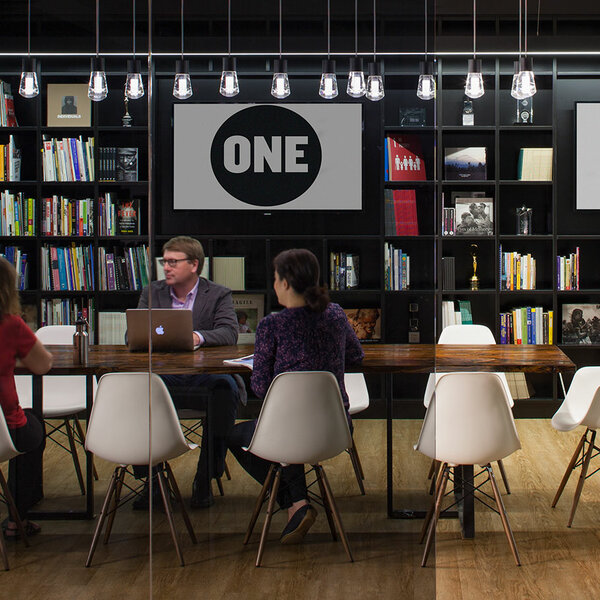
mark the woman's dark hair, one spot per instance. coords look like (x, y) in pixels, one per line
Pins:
(9, 296)
(300, 268)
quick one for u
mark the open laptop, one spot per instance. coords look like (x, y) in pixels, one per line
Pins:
(172, 330)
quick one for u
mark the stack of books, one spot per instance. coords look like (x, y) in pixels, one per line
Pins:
(527, 325)
(68, 268)
(517, 272)
(68, 159)
(397, 268)
(64, 216)
(343, 271)
(17, 214)
(125, 269)
(567, 271)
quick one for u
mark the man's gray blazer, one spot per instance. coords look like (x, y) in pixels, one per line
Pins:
(213, 314)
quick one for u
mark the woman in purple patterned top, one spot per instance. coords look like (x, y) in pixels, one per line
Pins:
(310, 334)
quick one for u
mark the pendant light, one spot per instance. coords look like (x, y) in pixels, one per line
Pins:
(97, 88)
(474, 86)
(356, 77)
(328, 87)
(280, 88)
(134, 86)
(426, 86)
(525, 84)
(182, 86)
(375, 89)
(29, 88)
(229, 80)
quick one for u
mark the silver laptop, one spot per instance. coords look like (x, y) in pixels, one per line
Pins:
(172, 329)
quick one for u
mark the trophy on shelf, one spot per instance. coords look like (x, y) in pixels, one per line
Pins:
(126, 119)
(474, 278)
(524, 216)
(414, 336)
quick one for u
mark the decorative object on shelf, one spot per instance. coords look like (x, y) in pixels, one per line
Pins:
(426, 87)
(524, 220)
(474, 85)
(229, 86)
(375, 89)
(581, 323)
(465, 164)
(126, 168)
(182, 85)
(474, 217)
(412, 117)
(356, 76)
(28, 87)
(474, 279)
(68, 105)
(524, 111)
(280, 87)
(468, 115)
(97, 87)
(134, 86)
(365, 322)
(414, 335)
(126, 119)
(523, 85)
(328, 87)
(249, 310)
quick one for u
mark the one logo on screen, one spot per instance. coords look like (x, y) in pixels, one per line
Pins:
(160, 330)
(266, 155)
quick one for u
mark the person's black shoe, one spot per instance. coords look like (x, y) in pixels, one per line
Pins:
(297, 527)
(202, 496)
(142, 502)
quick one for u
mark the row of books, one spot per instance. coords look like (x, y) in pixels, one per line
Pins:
(404, 158)
(124, 268)
(67, 268)
(64, 311)
(456, 312)
(517, 271)
(68, 159)
(65, 216)
(19, 260)
(343, 270)
(396, 268)
(535, 164)
(10, 161)
(118, 217)
(400, 208)
(7, 106)
(527, 325)
(567, 271)
(117, 164)
(17, 214)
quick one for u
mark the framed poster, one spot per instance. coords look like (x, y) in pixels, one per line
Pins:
(68, 105)
(587, 154)
(581, 323)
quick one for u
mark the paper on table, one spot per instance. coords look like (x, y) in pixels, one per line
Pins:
(244, 361)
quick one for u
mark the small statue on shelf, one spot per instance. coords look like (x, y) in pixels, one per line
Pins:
(126, 119)
(474, 278)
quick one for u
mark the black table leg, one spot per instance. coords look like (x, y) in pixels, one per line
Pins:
(463, 487)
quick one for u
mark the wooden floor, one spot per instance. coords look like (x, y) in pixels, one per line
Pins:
(557, 562)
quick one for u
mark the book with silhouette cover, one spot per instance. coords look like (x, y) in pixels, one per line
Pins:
(405, 158)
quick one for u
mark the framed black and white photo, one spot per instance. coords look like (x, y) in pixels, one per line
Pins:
(581, 323)
(474, 216)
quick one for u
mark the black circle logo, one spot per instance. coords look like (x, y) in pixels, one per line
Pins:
(266, 155)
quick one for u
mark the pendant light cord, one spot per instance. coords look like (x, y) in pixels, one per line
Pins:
(356, 27)
(133, 36)
(181, 29)
(280, 29)
(97, 27)
(525, 19)
(374, 32)
(520, 25)
(229, 27)
(28, 28)
(425, 30)
(328, 28)
(474, 29)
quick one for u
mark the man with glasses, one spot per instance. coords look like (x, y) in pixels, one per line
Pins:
(215, 324)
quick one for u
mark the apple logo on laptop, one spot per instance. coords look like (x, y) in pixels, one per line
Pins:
(160, 330)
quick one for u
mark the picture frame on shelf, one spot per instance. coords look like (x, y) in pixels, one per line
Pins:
(68, 105)
(366, 323)
(465, 164)
(580, 324)
(249, 310)
(474, 216)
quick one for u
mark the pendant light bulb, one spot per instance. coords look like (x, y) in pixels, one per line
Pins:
(525, 84)
(28, 87)
(134, 86)
(328, 87)
(229, 80)
(182, 86)
(515, 92)
(426, 88)
(375, 90)
(280, 87)
(97, 87)
(356, 78)
(474, 85)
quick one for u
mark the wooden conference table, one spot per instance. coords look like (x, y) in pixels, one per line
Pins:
(386, 360)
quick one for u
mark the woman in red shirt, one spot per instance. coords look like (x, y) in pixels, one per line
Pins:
(17, 341)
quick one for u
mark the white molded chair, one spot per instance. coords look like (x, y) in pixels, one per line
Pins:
(468, 422)
(466, 334)
(64, 398)
(358, 396)
(302, 421)
(581, 406)
(118, 431)
(8, 451)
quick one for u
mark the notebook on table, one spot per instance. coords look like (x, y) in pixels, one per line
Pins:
(172, 330)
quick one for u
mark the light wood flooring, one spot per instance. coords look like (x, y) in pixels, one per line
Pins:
(557, 562)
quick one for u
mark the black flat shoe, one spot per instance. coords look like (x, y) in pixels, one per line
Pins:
(201, 496)
(298, 526)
